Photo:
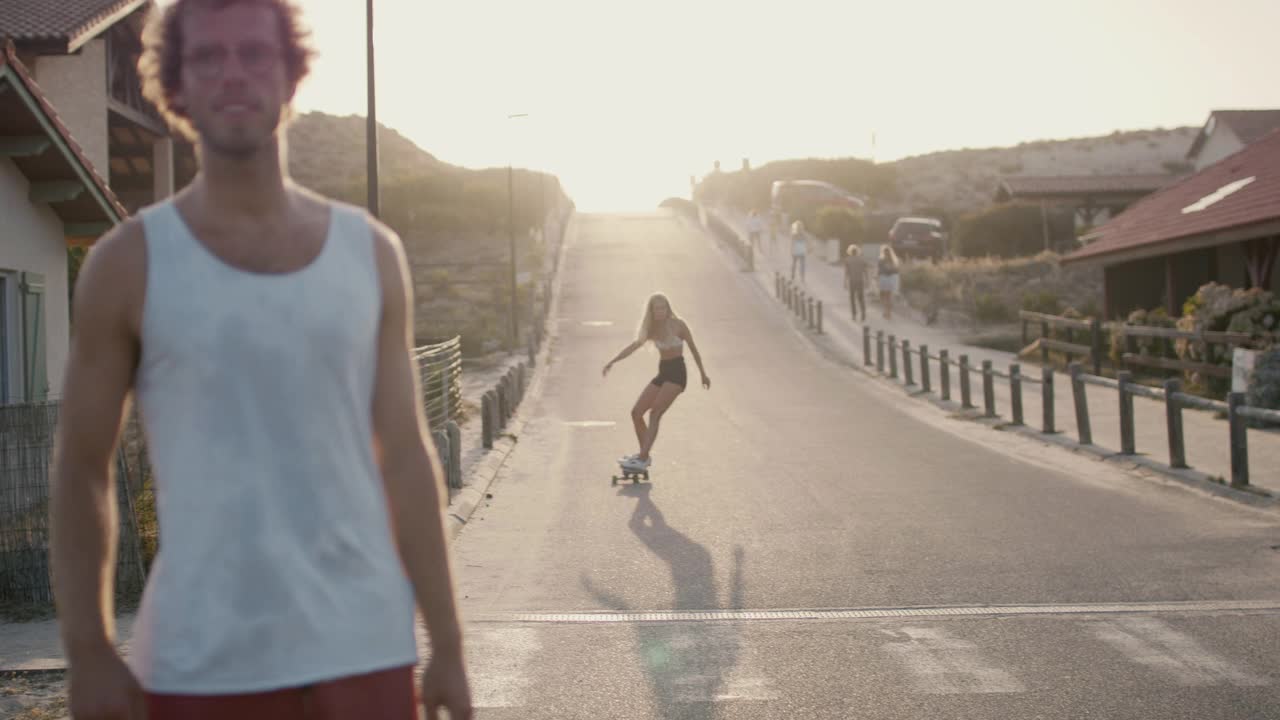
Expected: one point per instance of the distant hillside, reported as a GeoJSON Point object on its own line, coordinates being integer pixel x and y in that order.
{"type": "Point", "coordinates": [453, 220]}
{"type": "Point", "coordinates": [960, 181]}
{"type": "Point", "coordinates": [964, 180]}
{"type": "Point", "coordinates": [327, 153]}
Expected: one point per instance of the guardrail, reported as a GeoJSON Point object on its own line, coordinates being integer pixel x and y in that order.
{"type": "Point", "coordinates": [1237, 411]}
{"type": "Point", "coordinates": [729, 237]}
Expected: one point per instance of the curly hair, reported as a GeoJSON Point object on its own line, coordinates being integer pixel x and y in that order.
{"type": "Point", "coordinates": [160, 64]}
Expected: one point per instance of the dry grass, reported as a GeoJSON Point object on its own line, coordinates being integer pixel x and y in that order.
{"type": "Point", "coordinates": [33, 697]}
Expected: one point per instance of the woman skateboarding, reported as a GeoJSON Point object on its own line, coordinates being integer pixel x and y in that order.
{"type": "Point", "coordinates": [668, 333]}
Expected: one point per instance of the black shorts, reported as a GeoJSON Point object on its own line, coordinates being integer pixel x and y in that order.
{"type": "Point", "coordinates": [672, 371]}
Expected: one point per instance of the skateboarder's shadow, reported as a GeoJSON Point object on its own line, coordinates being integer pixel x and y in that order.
{"type": "Point", "coordinates": [687, 662]}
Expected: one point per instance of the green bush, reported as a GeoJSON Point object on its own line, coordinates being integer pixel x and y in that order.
{"type": "Point", "coordinates": [988, 308]}
{"type": "Point", "coordinates": [1214, 308]}
{"type": "Point", "coordinates": [1151, 347]}
{"type": "Point", "coordinates": [1012, 230]}
{"type": "Point", "coordinates": [841, 223]}
{"type": "Point", "coordinates": [1042, 302]}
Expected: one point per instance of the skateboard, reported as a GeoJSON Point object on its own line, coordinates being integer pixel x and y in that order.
{"type": "Point", "coordinates": [633, 475]}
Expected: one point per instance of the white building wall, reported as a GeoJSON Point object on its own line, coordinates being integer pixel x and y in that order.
{"type": "Point", "coordinates": [32, 240]}
{"type": "Point", "coordinates": [1221, 143]}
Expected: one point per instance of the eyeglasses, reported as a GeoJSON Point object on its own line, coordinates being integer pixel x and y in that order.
{"type": "Point", "coordinates": [255, 58]}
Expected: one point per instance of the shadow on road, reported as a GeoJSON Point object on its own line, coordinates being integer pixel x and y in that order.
{"type": "Point", "coordinates": [688, 663]}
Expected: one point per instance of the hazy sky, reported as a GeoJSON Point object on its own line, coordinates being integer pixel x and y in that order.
{"type": "Point", "coordinates": [627, 99]}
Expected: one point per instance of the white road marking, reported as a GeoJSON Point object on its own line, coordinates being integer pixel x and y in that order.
{"type": "Point", "coordinates": [1150, 642]}
{"type": "Point", "coordinates": [590, 423]}
{"type": "Point", "coordinates": [945, 666]}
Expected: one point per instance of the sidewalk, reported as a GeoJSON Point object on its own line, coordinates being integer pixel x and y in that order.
{"type": "Point", "coordinates": [1207, 447]}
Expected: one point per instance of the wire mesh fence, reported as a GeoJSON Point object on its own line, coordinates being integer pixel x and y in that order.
{"type": "Point", "coordinates": [26, 456]}
{"type": "Point", "coordinates": [440, 373]}
{"type": "Point", "coordinates": [26, 459]}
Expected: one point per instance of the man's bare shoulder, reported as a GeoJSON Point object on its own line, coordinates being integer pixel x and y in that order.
{"type": "Point", "coordinates": [112, 281]}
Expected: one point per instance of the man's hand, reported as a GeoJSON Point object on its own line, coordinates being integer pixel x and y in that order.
{"type": "Point", "coordinates": [444, 685]}
{"type": "Point", "coordinates": [706, 381]}
{"type": "Point", "coordinates": [105, 689]}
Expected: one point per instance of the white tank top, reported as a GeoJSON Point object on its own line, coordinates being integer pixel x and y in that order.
{"type": "Point", "coordinates": [277, 565]}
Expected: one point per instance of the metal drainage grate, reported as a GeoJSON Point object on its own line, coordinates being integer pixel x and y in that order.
{"type": "Point", "coordinates": [872, 613]}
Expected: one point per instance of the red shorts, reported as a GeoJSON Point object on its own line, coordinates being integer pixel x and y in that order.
{"type": "Point", "coordinates": [382, 695]}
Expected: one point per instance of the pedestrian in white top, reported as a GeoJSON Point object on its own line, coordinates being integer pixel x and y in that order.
{"type": "Point", "coordinates": [266, 334]}
{"type": "Point", "coordinates": [799, 249]}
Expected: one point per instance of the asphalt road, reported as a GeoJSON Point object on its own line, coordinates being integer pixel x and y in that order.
{"type": "Point", "coordinates": [815, 545]}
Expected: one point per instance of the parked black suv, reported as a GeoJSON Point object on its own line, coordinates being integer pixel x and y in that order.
{"type": "Point", "coordinates": [918, 237]}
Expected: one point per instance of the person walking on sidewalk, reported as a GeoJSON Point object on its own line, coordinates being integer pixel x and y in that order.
{"type": "Point", "coordinates": [856, 271]}
{"type": "Point", "coordinates": [755, 225]}
{"type": "Point", "coordinates": [660, 325]}
{"type": "Point", "coordinates": [887, 273]}
{"type": "Point", "coordinates": [799, 249]}
{"type": "Point", "coordinates": [265, 333]}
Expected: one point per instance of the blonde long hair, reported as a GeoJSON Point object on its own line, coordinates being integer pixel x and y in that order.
{"type": "Point", "coordinates": [645, 332]}
{"type": "Point", "coordinates": [887, 253]}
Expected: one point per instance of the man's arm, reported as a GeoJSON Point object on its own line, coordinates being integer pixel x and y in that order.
{"type": "Point", "coordinates": [413, 476]}
{"type": "Point", "coordinates": [83, 524]}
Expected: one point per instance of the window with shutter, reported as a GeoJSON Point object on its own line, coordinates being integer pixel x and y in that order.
{"type": "Point", "coordinates": [35, 373]}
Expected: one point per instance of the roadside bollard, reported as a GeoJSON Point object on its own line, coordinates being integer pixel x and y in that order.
{"type": "Point", "coordinates": [880, 351]}
{"type": "Point", "coordinates": [988, 390]}
{"type": "Point", "coordinates": [965, 395]}
{"type": "Point", "coordinates": [809, 313]}
{"type": "Point", "coordinates": [1127, 444]}
{"type": "Point", "coordinates": [1173, 417]}
{"type": "Point", "coordinates": [819, 317]}
{"type": "Point", "coordinates": [443, 451]}
{"type": "Point", "coordinates": [925, 383]}
{"type": "Point", "coordinates": [1239, 440]}
{"type": "Point", "coordinates": [893, 357]}
{"type": "Point", "coordinates": [487, 411]}
{"type": "Point", "coordinates": [866, 345]}
{"type": "Point", "coordinates": [1047, 401]}
{"type": "Point", "coordinates": [944, 367]}
{"type": "Point", "coordinates": [454, 469]}
{"type": "Point", "coordinates": [906, 363]}
{"type": "Point", "coordinates": [503, 400]}
{"type": "Point", "coordinates": [1082, 403]}
{"type": "Point", "coordinates": [1015, 392]}
{"type": "Point", "coordinates": [777, 284]}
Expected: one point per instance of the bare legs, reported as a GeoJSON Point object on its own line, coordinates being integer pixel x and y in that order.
{"type": "Point", "coordinates": [655, 401]}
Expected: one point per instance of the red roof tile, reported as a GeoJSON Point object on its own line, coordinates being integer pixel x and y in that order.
{"type": "Point", "coordinates": [68, 23]}
{"type": "Point", "coordinates": [1239, 191]}
{"type": "Point", "coordinates": [9, 58]}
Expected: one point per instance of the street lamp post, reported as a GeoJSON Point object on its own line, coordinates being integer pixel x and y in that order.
{"type": "Point", "coordinates": [371, 128]}
{"type": "Point", "coordinates": [511, 238]}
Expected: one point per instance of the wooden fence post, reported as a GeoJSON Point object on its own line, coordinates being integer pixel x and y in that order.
{"type": "Point", "coordinates": [1239, 440]}
{"type": "Point", "coordinates": [1050, 416]}
{"type": "Point", "coordinates": [1127, 444]}
{"type": "Point", "coordinates": [866, 345]}
{"type": "Point", "coordinates": [1015, 392]}
{"type": "Point", "coordinates": [1082, 403]}
{"type": "Point", "coordinates": [1044, 335]}
{"type": "Point", "coordinates": [1095, 342]}
{"type": "Point", "coordinates": [819, 317]}
{"type": "Point", "coordinates": [880, 351]}
{"type": "Point", "coordinates": [965, 395]}
{"type": "Point", "coordinates": [1173, 417]}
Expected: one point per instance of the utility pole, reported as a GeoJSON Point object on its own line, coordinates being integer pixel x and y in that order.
{"type": "Point", "coordinates": [371, 129]}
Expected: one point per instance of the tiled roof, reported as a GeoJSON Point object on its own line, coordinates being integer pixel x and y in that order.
{"type": "Point", "coordinates": [1016, 185]}
{"type": "Point", "coordinates": [1237, 192]}
{"type": "Point", "coordinates": [65, 24]}
{"type": "Point", "coordinates": [9, 59]}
